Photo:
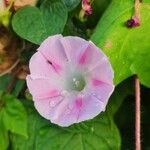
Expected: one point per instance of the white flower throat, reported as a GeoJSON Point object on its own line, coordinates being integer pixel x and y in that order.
{"type": "Point", "coordinates": [76, 82]}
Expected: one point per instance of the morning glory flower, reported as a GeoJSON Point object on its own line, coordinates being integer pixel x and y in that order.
{"type": "Point", "coordinates": [70, 80]}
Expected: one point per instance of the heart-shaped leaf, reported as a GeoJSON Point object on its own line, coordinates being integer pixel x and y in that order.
{"type": "Point", "coordinates": [13, 115]}
{"type": "Point", "coordinates": [36, 24]}
{"type": "Point", "coordinates": [99, 133]}
{"type": "Point", "coordinates": [128, 49]}
{"type": "Point", "coordinates": [71, 4]}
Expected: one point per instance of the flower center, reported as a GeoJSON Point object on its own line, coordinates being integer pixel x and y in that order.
{"type": "Point", "coordinates": [77, 83]}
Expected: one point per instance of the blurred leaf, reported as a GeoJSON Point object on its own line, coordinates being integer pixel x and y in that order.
{"type": "Point", "coordinates": [4, 81]}
{"type": "Point", "coordinates": [128, 49]}
{"type": "Point", "coordinates": [98, 8]}
{"type": "Point", "coordinates": [99, 133]}
{"type": "Point", "coordinates": [35, 25]}
{"type": "Point", "coordinates": [14, 115]}
{"type": "Point", "coordinates": [124, 89]}
{"type": "Point", "coordinates": [4, 140]}
{"type": "Point", "coordinates": [71, 4]}
{"type": "Point", "coordinates": [18, 87]}
{"type": "Point", "coordinates": [35, 122]}
{"type": "Point", "coordinates": [71, 30]}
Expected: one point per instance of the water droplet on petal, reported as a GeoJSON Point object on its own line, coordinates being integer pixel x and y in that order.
{"type": "Point", "coordinates": [93, 94]}
{"type": "Point", "coordinates": [74, 79]}
{"type": "Point", "coordinates": [52, 104]}
{"type": "Point", "coordinates": [64, 93]}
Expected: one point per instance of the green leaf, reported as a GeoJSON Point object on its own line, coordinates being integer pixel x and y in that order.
{"type": "Point", "coordinates": [121, 92]}
{"type": "Point", "coordinates": [18, 87]}
{"type": "Point", "coordinates": [71, 4]}
{"type": "Point", "coordinates": [89, 135]}
{"type": "Point", "coordinates": [99, 133]}
{"type": "Point", "coordinates": [4, 81]}
{"type": "Point", "coordinates": [128, 49]}
{"type": "Point", "coordinates": [98, 8]}
{"type": "Point", "coordinates": [13, 115]}
{"type": "Point", "coordinates": [4, 140]}
{"type": "Point", "coordinates": [36, 24]}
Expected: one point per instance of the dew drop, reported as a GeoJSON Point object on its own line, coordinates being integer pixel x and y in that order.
{"type": "Point", "coordinates": [93, 94]}
{"type": "Point", "coordinates": [52, 104]}
{"type": "Point", "coordinates": [64, 93]}
{"type": "Point", "coordinates": [77, 83]}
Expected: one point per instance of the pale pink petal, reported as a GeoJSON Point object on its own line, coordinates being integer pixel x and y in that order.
{"type": "Point", "coordinates": [102, 90]}
{"type": "Point", "coordinates": [43, 88]}
{"type": "Point", "coordinates": [102, 72]}
{"type": "Point", "coordinates": [40, 67]}
{"type": "Point", "coordinates": [53, 51]}
{"type": "Point", "coordinates": [46, 106]}
{"type": "Point", "coordinates": [68, 114]}
{"type": "Point", "coordinates": [81, 53]}
{"type": "Point", "coordinates": [89, 57]}
{"type": "Point", "coordinates": [91, 107]}
{"type": "Point", "coordinates": [73, 46]}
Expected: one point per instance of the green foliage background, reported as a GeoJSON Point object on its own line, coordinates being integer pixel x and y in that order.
{"type": "Point", "coordinates": [22, 128]}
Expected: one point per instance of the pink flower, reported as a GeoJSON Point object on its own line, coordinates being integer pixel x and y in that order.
{"type": "Point", "coordinates": [71, 80]}
{"type": "Point", "coordinates": [86, 6]}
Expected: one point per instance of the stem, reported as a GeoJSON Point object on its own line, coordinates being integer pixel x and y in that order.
{"type": "Point", "coordinates": [11, 85]}
{"type": "Point", "coordinates": [137, 9]}
{"type": "Point", "coordinates": [137, 115]}
{"type": "Point", "coordinates": [10, 69]}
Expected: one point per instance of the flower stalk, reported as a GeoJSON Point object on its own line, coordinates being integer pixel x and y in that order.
{"type": "Point", "coordinates": [137, 115]}
{"type": "Point", "coordinates": [135, 19]}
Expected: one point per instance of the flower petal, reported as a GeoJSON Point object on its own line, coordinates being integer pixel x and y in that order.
{"type": "Point", "coordinates": [91, 107]}
{"type": "Point", "coordinates": [73, 46]}
{"type": "Point", "coordinates": [53, 51]}
{"type": "Point", "coordinates": [102, 91]}
{"type": "Point", "coordinates": [89, 57]}
{"type": "Point", "coordinates": [66, 112]}
{"type": "Point", "coordinates": [81, 53]}
{"type": "Point", "coordinates": [46, 106]}
{"type": "Point", "coordinates": [102, 72]}
{"type": "Point", "coordinates": [43, 88]}
{"type": "Point", "coordinates": [40, 67]}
